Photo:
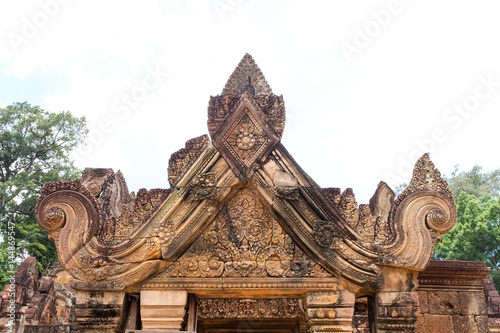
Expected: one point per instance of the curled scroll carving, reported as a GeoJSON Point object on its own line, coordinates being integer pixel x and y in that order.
{"type": "Point", "coordinates": [54, 219]}
{"type": "Point", "coordinates": [82, 216]}
{"type": "Point", "coordinates": [71, 214]}
{"type": "Point", "coordinates": [423, 212]}
{"type": "Point", "coordinates": [399, 232]}
{"type": "Point", "coordinates": [437, 220]}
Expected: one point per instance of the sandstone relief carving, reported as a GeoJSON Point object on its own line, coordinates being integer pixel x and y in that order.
{"type": "Point", "coordinates": [239, 206]}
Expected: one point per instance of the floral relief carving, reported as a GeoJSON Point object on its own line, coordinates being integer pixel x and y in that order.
{"type": "Point", "coordinates": [228, 308]}
{"type": "Point", "coordinates": [245, 240]}
{"type": "Point", "coordinates": [326, 233]}
{"type": "Point", "coordinates": [222, 107]}
{"type": "Point", "coordinates": [246, 139]}
{"type": "Point", "coordinates": [246, 74]}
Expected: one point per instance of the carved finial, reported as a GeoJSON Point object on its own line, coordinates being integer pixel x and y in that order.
{"type": "Point", "coordinates": [246, 122]}
{"type": "Point", "coordinates": [247, 77]}
{"type": "Point", "coordinates": [423, 212]}
{"type": "Point", "coordinates": [348, 207]}
{"type": "Point", "coordinates": [426, 178]}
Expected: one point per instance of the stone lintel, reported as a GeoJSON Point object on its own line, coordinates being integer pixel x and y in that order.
{"type": "Point", "coordinates": [453, 275]}
{"type": "Point", "coordinates": [290, 287]}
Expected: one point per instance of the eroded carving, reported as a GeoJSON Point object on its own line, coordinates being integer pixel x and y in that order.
{"type": "Point", "coordinates": [181, 160]}
{"type": "Point", "coordinates": [396, 311]}
{"type": "Point", "coordinates": [348, 207]}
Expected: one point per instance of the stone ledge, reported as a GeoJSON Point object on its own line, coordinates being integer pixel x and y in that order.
{"type": "Point", "coordinates": [453, 275]}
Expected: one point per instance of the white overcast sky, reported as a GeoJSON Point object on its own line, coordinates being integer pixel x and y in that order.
{"type": "Point", "coordinates": [368, 85]}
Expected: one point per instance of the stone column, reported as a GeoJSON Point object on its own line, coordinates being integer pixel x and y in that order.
{"type": "Point", "coordinates": [328, 311]}
{"type": "Point", "coordinates": [99, 311]}
{"type": "Point", "coordinates": [396, 311]}
{"type": "Point", "coordinates": [163, 309]}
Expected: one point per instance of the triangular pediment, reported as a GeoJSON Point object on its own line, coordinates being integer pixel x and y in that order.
{"type": "Point", "coordinates": [245, 240]}
{"type": "Point", "coordinates": [277, 225]}
{"type": "Point", "coordinates": [246, 158]}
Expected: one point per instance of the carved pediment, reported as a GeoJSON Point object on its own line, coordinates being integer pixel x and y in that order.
{"type": "Point", "coordinates": [244, 240]}
{"type": "Point", "coordinates": [241, 208]}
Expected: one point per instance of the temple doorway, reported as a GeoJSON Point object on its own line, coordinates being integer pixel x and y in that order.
{"type": "Point", "coordinates": [249, 326]}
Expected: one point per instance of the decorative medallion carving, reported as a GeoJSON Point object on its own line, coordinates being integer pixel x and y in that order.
{"type": "Point", "coordinates": [326, 233]}
{"type": "Point", "coordinates": [245, 138]}
{"type": "Point", "coordinates": [244, 141]}
{"type": "Point", "coordinates": [54, 218]}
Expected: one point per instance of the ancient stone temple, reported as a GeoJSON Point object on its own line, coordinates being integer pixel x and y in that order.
{"type": "Point", "coordinates": [245, 241]}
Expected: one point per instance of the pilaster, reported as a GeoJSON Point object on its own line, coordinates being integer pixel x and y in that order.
{"type": "Point", "coordinates": [163, 309]}
{"type": "Point", "coordinates": [99, 311]}
{"type": "Point", "coordinates": [396, 311]}
{"type": "Point", "coordinates": [329, 312]}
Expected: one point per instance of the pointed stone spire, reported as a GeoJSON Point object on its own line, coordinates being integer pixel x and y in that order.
{"type": "Point", "coordinates": [247, 77]}
{"type": "Point", "coordinates": [246, 121]}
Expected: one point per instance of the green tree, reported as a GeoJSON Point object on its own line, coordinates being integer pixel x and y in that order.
{"type": "Point", "coordinates": [35, 146]}
{"type": "Point", "coordinates": [476, 235]}
{"type": "Point", "coordinates": [475, 182]}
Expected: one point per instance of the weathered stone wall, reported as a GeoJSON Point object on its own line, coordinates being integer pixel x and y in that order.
{"type": "Point", "coordinates": [451, 297]}
{"type": "Point", "coordinates": [492, 305]}
{"type": "Point", "coordinates": [41, 305]}
{"type": "Point", "coordinates": [454, 296]}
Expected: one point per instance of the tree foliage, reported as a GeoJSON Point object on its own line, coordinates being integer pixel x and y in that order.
{"type": "Point", "coordinates": [35, 146]}
{"type": "Point", "coordinates": [475, 182]}
{"type": "Point", "coordinates": [476, 235]}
